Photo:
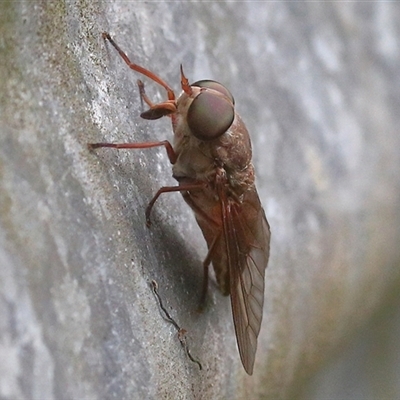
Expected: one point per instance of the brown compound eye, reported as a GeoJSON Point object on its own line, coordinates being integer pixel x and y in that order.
{"type": "Point", "coordinates": [207, 83]}
{"type": "Point", "coordinates": [210, 115]}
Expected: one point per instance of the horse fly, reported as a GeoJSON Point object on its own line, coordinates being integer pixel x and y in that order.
{"type": "Point", "coordinates": [211, 160]}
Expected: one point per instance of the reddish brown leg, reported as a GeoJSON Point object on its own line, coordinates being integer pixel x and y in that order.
{"type": "Point", "coordinates": [156, 111]}
{"type": "Point", "coordinates": [207, 260]}
{"type": "Point", "coordinates": [204, 289]}
{"type": "Point", "coordinates": [206, 264]}
{"type": "Point", "coordinates": [167, 189]}
{"type": "Point", "coordinates": [138, 68]}
{"type": "Point", "coordinates": [145, 145]}
{"type": "Point", "coordinates": [143, 94]}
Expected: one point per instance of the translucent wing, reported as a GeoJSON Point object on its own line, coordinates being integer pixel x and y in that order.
{"type": "Point", "coordinates": [238, 236]}
{"type": "Point", "coordinates": [247, 236]}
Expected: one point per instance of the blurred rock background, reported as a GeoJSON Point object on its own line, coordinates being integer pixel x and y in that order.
{"type": "Point", "coordinates": [318, 87]}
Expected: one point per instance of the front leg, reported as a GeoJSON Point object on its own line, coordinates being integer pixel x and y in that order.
{"type": "Point", "coordinates": [172, 156]}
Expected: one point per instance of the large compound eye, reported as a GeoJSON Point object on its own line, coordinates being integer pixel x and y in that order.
{"type": "Point", "coordinates": [209, 116]}
{"type": "Point", "coordinates": [216, 86]}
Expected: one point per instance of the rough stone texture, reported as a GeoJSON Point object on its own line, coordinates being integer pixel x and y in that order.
{"type": "Point", "coordinates": [318, 86]}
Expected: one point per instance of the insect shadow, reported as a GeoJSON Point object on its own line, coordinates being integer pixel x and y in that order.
{"type": "Point", "coordinates": [179, 269]}
{"type": "Point", "coordinates": [175, 265]}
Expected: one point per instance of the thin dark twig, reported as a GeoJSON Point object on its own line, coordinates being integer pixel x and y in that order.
{"type": "Point", "coordinates": [182, 338]}
{"type": "Point", "coordinates": [166, 315]}
{"type": "Point", "coordinates": [181, 332]}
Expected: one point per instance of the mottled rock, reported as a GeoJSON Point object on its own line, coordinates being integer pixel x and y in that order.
{"type": "Point", "coordinates": [318, 87]}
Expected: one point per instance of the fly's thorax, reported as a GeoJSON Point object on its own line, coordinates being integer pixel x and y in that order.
{"type": "Point", "coordinates": [241, 181]}
{"type": "Point", "coordinates": [233, 149]}
{"type": "Point", "coordinates": [233, 152]}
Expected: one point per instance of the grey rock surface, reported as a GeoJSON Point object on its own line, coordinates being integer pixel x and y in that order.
{"type": "Point", "coordinates": [318, 86]}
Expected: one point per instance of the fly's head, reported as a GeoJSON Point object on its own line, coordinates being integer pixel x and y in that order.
{"type": "Point", "coordinates": [204, 110]}
{"type": "Point", "coordinates": [206, 107]}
